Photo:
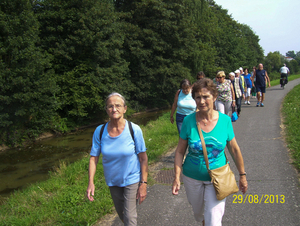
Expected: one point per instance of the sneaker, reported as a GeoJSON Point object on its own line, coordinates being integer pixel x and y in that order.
{"type": "Point", "coordinates": [262, 105]}
{"type": "Point", "coordinates": [245, 102]}
{"type": "Point", "coordinates": [257, 105]}
{"type": "Point", "coordinates": [248, 103]}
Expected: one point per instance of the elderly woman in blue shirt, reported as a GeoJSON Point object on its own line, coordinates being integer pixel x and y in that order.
{"type": "Point", "coordinates": [125, 161]}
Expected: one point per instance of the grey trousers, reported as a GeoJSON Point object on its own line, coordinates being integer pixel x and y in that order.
{"type": "Point", "coordinates": [125, 202]}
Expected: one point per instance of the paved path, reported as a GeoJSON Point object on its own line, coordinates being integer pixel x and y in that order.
{"type": "Point", "coordinates": [269, 172]}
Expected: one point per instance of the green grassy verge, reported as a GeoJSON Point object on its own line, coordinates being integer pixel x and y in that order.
{"type": "Point", "coordinates": [291, 77]}
{"type": "Point", "coordinates": [290, 111]}
{"type": "Point", "coordinates": [61, 199]}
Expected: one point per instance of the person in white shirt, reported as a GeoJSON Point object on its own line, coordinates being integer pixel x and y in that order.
{"type": "Point", "coordinates": [284, 72]}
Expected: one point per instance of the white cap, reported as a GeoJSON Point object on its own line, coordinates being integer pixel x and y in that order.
{"type": "Point", "coordinates": [240, 68]}
{"type": "Point", "coordinates": [231, 73]}
{"type": "Point", "coordinates": [237, 71]}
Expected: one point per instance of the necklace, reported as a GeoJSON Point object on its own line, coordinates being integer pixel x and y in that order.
{"type": "Point", "coordinates": [205, 123]}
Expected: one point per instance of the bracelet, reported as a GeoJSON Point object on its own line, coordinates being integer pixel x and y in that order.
{"type": "Point", "coordinates": [143, 182]}
{"type": "Point", "coordinates": [243, 174]}
{"type": "Point", "coordinates": [233, 100]}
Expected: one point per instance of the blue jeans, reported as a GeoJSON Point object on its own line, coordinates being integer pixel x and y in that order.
{"type": "Point", "coordinates": [179, 120]}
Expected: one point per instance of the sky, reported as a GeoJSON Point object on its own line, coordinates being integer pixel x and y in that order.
{"type": "Point", "coordinates": [276, 22]}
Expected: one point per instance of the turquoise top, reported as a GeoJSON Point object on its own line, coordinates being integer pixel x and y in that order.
{"type": "Point", "coordinates": [216, 140]}
{"type": "Point", "coordinates": [186, 104]}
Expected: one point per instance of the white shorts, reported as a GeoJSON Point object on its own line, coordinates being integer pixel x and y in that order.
{"type": "Point", "coordinates": [202, 196]}
{"type": "Point", "coordinates": [247, 94]}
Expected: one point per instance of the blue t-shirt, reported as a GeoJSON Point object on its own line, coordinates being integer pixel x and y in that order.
{"type": "Point", "coordinates": [216, 141]}
{"type": "Point", "coordinates": [120, 155]}
{"type": "Point", "coordinates": [185, 104]}
{"type": "Point", "coordinates": [248, 80]}
{"type": "Point", "coordinates": [260, 78]}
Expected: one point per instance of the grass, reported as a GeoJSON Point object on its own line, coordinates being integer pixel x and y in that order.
{"type": "Point", "coordinates": [61, 199]}
{"type": "Point", "coordinates": [290, 112]}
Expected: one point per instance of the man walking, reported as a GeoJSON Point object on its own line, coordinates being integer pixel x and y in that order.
{"type": "Point", "coordinates": [238, 89]}
{"type": "Point", "coordinates": [284, 72]}
{"type": "Point", "coordinates": [260, 75]}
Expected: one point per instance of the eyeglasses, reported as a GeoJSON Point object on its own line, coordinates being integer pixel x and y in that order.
{"type": "Point", "coordinates": [117, 106]}
{"type": "Point", "coordinates": [219, 77]}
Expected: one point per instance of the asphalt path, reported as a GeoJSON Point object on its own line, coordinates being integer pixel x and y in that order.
{"type": "Point", "coordinates": [273, 197]}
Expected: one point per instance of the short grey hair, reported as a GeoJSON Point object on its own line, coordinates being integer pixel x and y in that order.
{"type": "Point", "coordinates": [115, 94]}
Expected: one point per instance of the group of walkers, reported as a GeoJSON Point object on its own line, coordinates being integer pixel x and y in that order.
{"type": "Point", "coordinates": [203, 105]}
{"type": "Point", "coordinates": [240, 86]}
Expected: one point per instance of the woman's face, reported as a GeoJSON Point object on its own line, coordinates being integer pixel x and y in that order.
{"type": "Point", "coordinates": [246, 72]}
{"type": "Point", "coordinates": [220, 78]}
{"type": "Point", "coordinates": [204, 100]}
{"type": "Point", "coordinates": [186, 89]}
{"type": "Point", "coordinates": [115, 107]}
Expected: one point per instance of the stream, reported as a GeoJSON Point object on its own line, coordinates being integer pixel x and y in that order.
{"type": "Point", "coordinates": [20, 167]}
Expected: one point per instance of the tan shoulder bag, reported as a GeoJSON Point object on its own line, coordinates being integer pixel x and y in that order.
{"type": "Point", "coordinates": [222, 178]}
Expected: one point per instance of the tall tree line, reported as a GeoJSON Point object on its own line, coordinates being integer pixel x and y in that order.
{"type": "Point", "coordinates": [59, 59]}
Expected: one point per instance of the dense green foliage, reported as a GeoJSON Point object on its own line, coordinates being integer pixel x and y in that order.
{"type": "Point", "coordinates": [60, 59]}
{"type": "Point", "coordinates": [61, 199]}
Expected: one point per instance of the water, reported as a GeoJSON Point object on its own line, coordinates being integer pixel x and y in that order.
{"type": "Point", "coordinates": [20, 167]}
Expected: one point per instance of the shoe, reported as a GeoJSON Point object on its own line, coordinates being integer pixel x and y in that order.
{"type": "Point", "coordinates": [262, 105]}
{"type": "Point", "coordinates": [248, 103]}
{"type": "Point", "coordinates": [257, 105]}
{"type": "Point", "coordinates": [245, 102]}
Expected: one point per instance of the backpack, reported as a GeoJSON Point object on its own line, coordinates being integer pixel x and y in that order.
{"type": "Point", "coordinates": [130, 129]}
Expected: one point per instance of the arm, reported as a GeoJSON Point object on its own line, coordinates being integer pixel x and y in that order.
{"type": "Point", "coordinates": [174, 106]}
{"type": "Point", "coordinates": [233, 95]}
{"type": "Point", "coordinates": [179, 153]}
{"type": "Point", "coordinates": [92, 170]}
{"type": "Point", "coordinates": [268, 79]}
{"type": "Point", "coordinates": [237, 157]}
{"type": "Point", "coordinates": [142, 191]}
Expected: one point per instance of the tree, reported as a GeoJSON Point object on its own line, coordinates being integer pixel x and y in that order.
{"type": "Point", "coordinates": [159, 44]}
{"type": "Point", "coordinates": [28, 88]}
{"type": "Point", "coordinates": [84, 38]}
{"type": "Point", "coordinates": [291, 54]}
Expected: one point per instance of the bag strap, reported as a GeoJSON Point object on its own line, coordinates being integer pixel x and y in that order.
{"type": "Point", "coordinates": [204, 146]}
{"type": "Point", "coordinates": [102, 129]}
{"type": "Point", "coordinates": [130, 129]}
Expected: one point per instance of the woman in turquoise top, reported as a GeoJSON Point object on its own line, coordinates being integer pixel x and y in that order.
{"type": "Point", "coordinates": [183, 102]}
{"type": "Point", "coordinates": [218, 133]}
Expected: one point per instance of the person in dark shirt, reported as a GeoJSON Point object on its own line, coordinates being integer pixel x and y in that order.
{"type": "Point", "coordinates": [261, 75]}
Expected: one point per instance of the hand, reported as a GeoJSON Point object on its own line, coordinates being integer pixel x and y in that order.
{"type": "Point", "coordinates": [269, 84]}
{"type": "Point", "coordinates": [172, 120]}
{"type": "Point", "coordinates": [233, 104]}
{"type": "Point", "coordinates": [243, 184]}
{"type": "Point", "coordinates": [176, 186]}
{"type": "Point", "coordinates": [142, 192]}
{"type": "Point", "coordinates": [90, 189]}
